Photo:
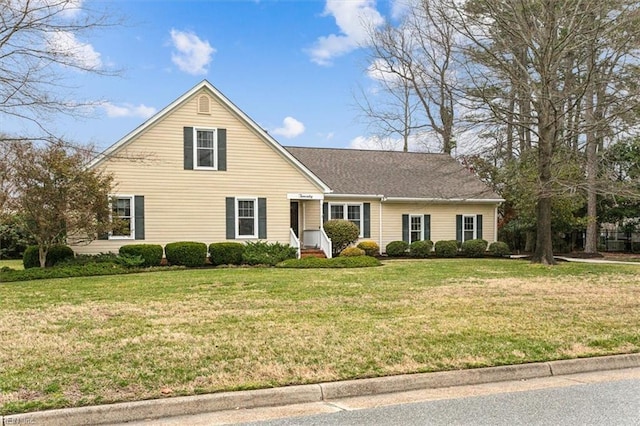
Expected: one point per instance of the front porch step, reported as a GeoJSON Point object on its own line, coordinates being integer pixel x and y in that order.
{"type": "Point", "coordinates": [305, 252]}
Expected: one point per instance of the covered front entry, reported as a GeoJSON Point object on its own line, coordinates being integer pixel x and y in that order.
{"type": "Point", "coordinates": [306, 222]}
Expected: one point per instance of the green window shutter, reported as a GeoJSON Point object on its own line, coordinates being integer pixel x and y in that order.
{"type": "Point", "coordinates": [231, 218]}
{"type": "Point", "coordinates": [479, 226]}
{"type": "Point", "coordinates": [188, 148]}
{"type": "Point", "coordinates": [459, 227]}
{"type": "Point", "coordinates": [138, 203]}
{"type": "Point", "coordinates": [222, 149]}
{"type": "Point", "coordinates": [262, 218]}
{"type": "Point", "coordinates": [325, 212]}
{"type": "Point", "coordinates": [405, 227]}
{"type": "Point", "coordinates": [366, 220]}
{"type": "Point", "coordinates": [427, 226]}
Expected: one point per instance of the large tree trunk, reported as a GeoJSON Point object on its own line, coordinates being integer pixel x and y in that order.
{"type": "Point", "coordinates": [544, 247]}
{"type": "Point", "coordinates": [42, 256]}
{"type": "Point", "coordinates": [591, 240]}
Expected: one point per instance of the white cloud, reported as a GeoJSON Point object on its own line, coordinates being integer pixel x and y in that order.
{"type": "Point", "coordinates": [192, 55]}
{"type": "Point", "coordinates": [70, 8]}
{"type": "Point", "coordinates": [75, 52]}
{"type": "Point", "coordinates": [376, 143]}
{"type": "Point", "coordinates": [290, 128]}
{"type": "Point", "coordinates": [128, 110]}
{"type": "Point", "coordinates": [424, 141]}
{"type": "Point", "coordinates": [354, 18]}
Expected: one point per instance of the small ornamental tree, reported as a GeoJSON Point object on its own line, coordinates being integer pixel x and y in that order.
{"type": "Point", "coordinates": [57, 198]}
{"type": "Point", "coordinates": [342, 234]}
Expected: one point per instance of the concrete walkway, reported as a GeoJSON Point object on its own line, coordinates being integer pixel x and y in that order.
{"type": "Point", "coordinates": [578, 260]}
{"type": "Point", "coordinates": [322, 393]}
{"type": "Point", "coordinates": [575, 259]}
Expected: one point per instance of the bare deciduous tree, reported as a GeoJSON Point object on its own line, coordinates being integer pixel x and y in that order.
{"type": "Point", "coordinates": [40, 41]}
{"type": "Point", "coordinates": [413, 62]}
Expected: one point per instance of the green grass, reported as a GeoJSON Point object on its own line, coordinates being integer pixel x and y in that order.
{"type": "Point", "coordinates": [79, 341]}
{"type": "Point", "coordinates": [13, 264]}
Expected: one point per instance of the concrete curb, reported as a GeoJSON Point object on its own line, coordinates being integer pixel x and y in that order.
{"type": "Point", "coordinates": [199, 404]}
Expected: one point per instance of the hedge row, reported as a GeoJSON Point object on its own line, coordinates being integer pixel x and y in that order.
{"type": "Point", "coordinates": [183, 253]}
{"type": "Point", "coordinates": [447, 248]}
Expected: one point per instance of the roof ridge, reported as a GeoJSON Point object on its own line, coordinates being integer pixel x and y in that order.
{"type": "Point", "coordinates": [365, 150]}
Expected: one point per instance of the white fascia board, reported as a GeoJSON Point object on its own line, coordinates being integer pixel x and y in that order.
{"type": "Point", "coordinates": [443, 200]}
{"type": "Point", "coordinates": [205, 84]}
{"type": "Point", "coordinates": [367, 196]}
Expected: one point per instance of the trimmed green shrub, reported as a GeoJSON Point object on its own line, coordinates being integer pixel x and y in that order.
{"type": "Point", "coordinates": [31, 257]}
{"type": "Point", "coordinates": [186, 253]}
{"type": "Point", "coordinates": [352, 252]}
{"type": "Point", "coordinates": [474, 248]}
{"type": "Point", "coordinates": [263, 253]}
{"type": "Point", "coordinates": [342, 234]}
{"type": "Point", "coordinates": [57, 253]}
{"type": "Point", "coordinates": [151, 253]}
{"type": "Point", "coordinates": [336, 262]}
{"type": "Point", "coordinates": [226, 253]}
{"type": "Point", "coordinates": [397, 248]}
{"type": "Point", "coordinates": [371, 248]}
{"type": "Point", "coordinates": [499, 249]}
{"type": "Point", "coordinates": [420, 249]}
{"type": "Point", "coordinates": [446, 248]}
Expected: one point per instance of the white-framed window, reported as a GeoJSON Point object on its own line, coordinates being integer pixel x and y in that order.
{"type": "Point", "coordinates": [205, 149]}
{"type": "Point", "coordinates": [416, 227]}
{"type": "Point", "coordinates": [246, 218]}
{"type": "Point", "coordinates": [347, 211]}
{"type": "Point", "coordinates": [469, 227]}
{"type": "Point", "coordinates": [122, 215]}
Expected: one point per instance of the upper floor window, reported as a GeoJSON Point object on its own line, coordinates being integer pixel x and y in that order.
{"type": "Point", "coordinates": [205, 149]}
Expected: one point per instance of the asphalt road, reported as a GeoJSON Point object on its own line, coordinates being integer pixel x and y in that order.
{"type": "Point", "coordinates": [597, 398]}
{"type": "Point", "coordinates": [612, 403]}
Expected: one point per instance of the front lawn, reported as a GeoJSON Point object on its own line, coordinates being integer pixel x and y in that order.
{"type": "Point", "coordinates": [13, 264]}
{"type": "Point", "coordinates": [80, 341]}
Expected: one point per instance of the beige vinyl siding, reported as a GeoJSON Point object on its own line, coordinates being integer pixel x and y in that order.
{"type": "Point", "coordinates": [443, 219]}
{"type": "Point", "coordinates": [310, 212]}
{"type": "Point", "coordinates": [189, 205]}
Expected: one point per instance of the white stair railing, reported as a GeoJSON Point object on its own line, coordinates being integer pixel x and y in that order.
{"type": "Point", "coordinates": [325, 244]}
{"type": "Point", "coordinates": [294, 242]}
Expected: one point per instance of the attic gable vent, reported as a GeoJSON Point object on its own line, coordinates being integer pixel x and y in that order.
{"type": "Point", "coordinates": [204, 105]}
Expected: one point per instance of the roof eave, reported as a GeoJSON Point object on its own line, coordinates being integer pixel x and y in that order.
{"type": "Point", "coordinates": [368, 196]}
{"type": "Point", "coordinates": [443, 200]}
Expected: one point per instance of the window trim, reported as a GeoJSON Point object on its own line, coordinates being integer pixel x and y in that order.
{"type": "Point", "coordinates": [475, 226]}
{"type": "Point", "coordinates": [214, 148]}
{"type": "Point", "coordinates": [345, 214]}
{"type": "Point", "coordinates": [132, 208]}
{"type": "Point", "coordinates": [421, 217]}
{"type": "Point", "coordinates": [256, 231]}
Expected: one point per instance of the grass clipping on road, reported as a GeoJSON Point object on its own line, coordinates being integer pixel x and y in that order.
{"type": "Point", "coordinates": [80, 341]}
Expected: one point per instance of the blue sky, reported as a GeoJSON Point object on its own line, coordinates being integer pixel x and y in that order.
{"type": "Point", "coordinates": [293, 66]}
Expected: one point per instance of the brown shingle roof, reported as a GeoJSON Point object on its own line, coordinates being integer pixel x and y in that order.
{"type": "Point", "coordinates": [392, 173]}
